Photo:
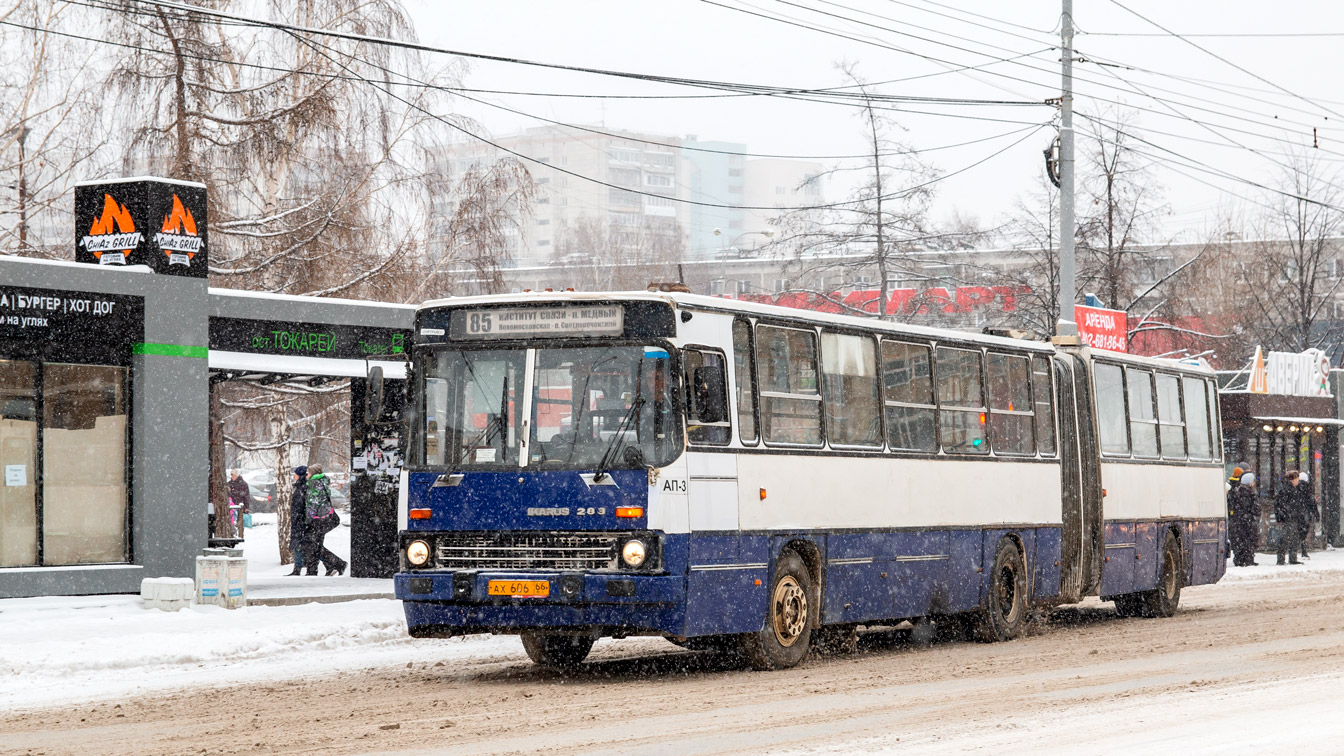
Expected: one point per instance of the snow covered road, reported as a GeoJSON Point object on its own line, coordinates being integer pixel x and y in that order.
{"type": "Point", "coordinates": [1252, 665]}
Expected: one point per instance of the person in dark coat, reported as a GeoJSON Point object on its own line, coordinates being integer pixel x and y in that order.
{"type": "Point", "coordinates": [240, 502]}
{"type": "Point", "coordinates": [1288, 511]}
{"type": "Point", "coordinates": [298, 517]}
{"type": "Point", "coordinates": [1243, 520]}
{"type": "Point", "coordinates": [1309, 513]}
{"type": "Point", "coordinates": [321, 519]}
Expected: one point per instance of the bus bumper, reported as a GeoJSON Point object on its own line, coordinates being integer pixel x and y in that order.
{"type": "Point", "coordinates": [456, 603]}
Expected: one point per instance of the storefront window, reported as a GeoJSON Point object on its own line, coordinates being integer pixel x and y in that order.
{"type": "Point", "coordinates": [18, 458]}
{"type": "Point", "coordinates": [83, 464]}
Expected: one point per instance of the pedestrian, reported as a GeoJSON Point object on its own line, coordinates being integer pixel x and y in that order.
{"type": "Point", "coordinates": [1307, 523]}
{"type": "Point", "coordinates": [321, 519]}
{"type": "Point", "coordinates": [240, 501]}
{"type": "Point", "coordinates": [1287, 511]}
{"type": "Point", "coordinates": [298, 517]}
{"type": "Point", "coordinates": [1243, 520]}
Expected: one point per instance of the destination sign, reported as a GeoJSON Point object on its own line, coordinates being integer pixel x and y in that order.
{"type": "Point", "coordinates": [546, 322]}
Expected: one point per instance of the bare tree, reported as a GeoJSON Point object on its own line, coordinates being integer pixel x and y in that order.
{"type": "Point", "coordinates": [1292, 276]}
{"type": "Point", "coordinates": [1034, 230]}
{"type": "Point", "coordinates": [1124, 204]}
{"type": "Point", "coordinates": [48, 126]}
{"type": "Point", "coordinates": [885, 217]}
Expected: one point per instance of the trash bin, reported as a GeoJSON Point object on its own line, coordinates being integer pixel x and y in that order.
{"type": "Point", "coordinates": [221, 578]}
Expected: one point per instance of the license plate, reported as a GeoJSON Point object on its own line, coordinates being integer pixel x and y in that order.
{"type": "Point", "coordinates": [520, 588]}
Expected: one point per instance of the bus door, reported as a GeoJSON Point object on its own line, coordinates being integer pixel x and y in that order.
{"type": "Point", "coordinates": [1080, 569]}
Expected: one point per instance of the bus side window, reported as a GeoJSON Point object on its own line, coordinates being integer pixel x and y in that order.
{"type": "Point", "coordinates": [1215, 422]}
{"type": "Point", "coordinates": [1043, 395]}
{"type": "Point", "coordinates": [1197, 418]}
{"type": "Point", "coordinates": [907, 383]}
{"type": "Point", "coordinates": [849, 368]}
{"type": "Point", "coordinates": [1111, 424]}
{"type": "Point", "coordinates": [786, 363]}
{"type": "Point", "coordinates": [698, 395]}
{"type": "Point", "coordinates": [1142, 421]}
{"type": "Point", "coordinates": [1170, 425]}
{"type": "Point", "coordinates": [961, 401]}
{"type": "Point", "coordinates": [745, 382]}
{"type": "Point", "coordinates": [1010, 410]}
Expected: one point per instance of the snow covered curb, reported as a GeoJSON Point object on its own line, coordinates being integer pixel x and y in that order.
{"type": "Point", "coordinates": [70, 649]}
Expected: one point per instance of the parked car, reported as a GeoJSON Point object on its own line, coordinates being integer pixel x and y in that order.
{"type": "Point", "coordinates": [261, 486]}
{"type": "Point", "coordinates": [340, 488]}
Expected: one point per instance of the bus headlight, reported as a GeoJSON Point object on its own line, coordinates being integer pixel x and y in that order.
{"type": "Point", "coordinates": [417, 553]}
{"type": "Point", "coordinates": [633, 552]}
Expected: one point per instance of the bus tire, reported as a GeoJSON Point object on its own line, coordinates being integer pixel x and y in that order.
{"type": "Point", "coordinates": [557, 650]}
{"type": "Point", "coordinates": [787, 635]}
{"type": "Point", "coordinates": [1004, 615]}
{"type": "Point", "coordinates": [1163, 600]}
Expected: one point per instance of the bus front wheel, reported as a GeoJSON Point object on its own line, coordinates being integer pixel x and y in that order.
{"type": "Point", "coordinates": [787, 634]}
{"type": "Point", "coordinates": [557, 650]}
{"type": "Point", "coordinates": [1004, 615]}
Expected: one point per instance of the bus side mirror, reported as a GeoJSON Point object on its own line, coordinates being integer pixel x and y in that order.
{"type": "Point", "coordinates": [373, 395]}
{"type": "Point", "coordinates": [711, 400]}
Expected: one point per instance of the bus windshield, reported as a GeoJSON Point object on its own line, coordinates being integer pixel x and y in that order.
{"type": "Point", "coordinates": [607, 407]}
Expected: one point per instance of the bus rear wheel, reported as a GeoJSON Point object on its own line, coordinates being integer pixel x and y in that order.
{"type": "Point", "coordinates": [787, 635]}
{"type": "Point", "coordinates": [557, 650]}
{"type": "Point", "coordinates": [1004, 615]}
{"type": "Point", "coordinates": [1163, 600]}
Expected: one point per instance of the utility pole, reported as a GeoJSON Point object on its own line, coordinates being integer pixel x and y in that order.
{"type": "Point", "coordinates": [1066, 325]}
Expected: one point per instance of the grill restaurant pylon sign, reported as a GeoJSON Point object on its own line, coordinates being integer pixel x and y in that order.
{"type": "Point", "coordinates": [156, 222]}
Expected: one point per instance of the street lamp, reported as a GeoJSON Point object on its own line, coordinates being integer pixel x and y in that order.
{"type": "Point", "coordinates": [723, 251]}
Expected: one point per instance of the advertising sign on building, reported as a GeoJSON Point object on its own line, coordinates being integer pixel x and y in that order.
{"type": "Point", "coordinates": [1291, 373]}
{"type": "Point", "coordinates": [1102, 329]}
{"type": "Point", "coordinates": [143, 221]}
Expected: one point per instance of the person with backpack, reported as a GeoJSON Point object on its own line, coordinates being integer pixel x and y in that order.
{"type": "Point", "coordinates": [321, 519]}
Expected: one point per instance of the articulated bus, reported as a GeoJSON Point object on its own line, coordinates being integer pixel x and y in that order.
{"type": "Point", "coordinates": [586, 465]}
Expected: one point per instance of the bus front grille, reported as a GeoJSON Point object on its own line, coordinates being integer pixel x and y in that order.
{"type": "Point", "coordinates": [526, 551]}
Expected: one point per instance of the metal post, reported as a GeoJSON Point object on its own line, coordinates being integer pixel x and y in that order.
{"type": "Point", "coordinates": [1066, 325]}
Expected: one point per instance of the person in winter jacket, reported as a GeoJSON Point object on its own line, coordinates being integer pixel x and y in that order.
{"type": "Point", "coordinates": [298, 518]}
{"type": "Point", "coordinates": [1309, 512]}
{"type": "Point", "coordinates": [240, 502]}
{"type": "Point", "coordinates": [1288, 510]}
{"type": "Point", "coordinates": [1243, 520]}
{"type": "Point", "coordinates": [321, 519]}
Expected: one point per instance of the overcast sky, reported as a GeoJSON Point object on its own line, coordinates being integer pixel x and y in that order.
{"type": "Point", "coordinates": [925, 39]}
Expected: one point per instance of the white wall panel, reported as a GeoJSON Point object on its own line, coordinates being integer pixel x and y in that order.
{"type": "Point", "coordinates": [1150, 492]}
{"type": "Point", "coordinates": [861, 492]}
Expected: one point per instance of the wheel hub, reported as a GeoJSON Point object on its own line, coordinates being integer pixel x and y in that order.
{"type": "Point", "coordinates": [1007, 590]}
{"type": "Point", "coordinates": [789, 611]}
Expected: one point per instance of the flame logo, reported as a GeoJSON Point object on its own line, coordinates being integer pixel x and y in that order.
{"type": "Point", "coordinates": [179, 219]}
{"type": "Point", "coordinates": [178, 239]}
{"type": "Point", "coordinates": [115, 222]}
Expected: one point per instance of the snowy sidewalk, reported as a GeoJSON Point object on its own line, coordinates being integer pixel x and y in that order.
{"type": "Point", "coordinates": [270, 584]}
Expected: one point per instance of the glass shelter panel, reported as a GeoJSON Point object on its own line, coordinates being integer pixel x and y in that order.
{"type": "Point", "coordinates": [18, 458]}
{"type": "Point", "coordinates": [83, 464]}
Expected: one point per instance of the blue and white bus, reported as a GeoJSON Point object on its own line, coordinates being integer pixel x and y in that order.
{"type": "Point", "coordinates": [585, 465]}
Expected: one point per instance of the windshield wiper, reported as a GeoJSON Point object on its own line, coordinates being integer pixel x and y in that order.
{"type": "Point", "coordinates": [607, 456]}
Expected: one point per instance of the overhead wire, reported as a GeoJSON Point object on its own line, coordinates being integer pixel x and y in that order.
{"type": "Point", "coordinates": [1216, 56]}
{"type": "Point", "coordinates": [561, 169]}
